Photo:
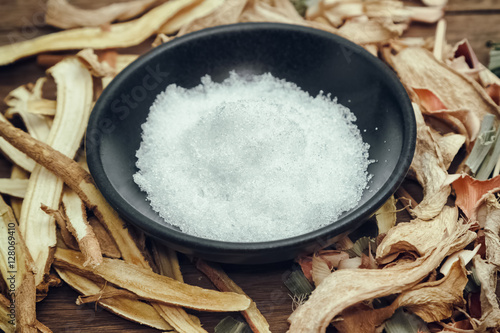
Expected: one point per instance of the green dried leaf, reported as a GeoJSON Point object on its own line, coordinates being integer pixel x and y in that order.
{"type": "Point", "coordinates": [298, 285]}
{"type": "Point", "coordinates": [231, 325]}
{"type": "Point", "coordinates": [361, 246]}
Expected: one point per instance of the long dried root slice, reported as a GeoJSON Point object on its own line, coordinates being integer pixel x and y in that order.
{"type": "Point", "coordinates": [17, 203]}
{"type": "Point", "coordinates": [13, 187]}
{"type": "Point", "coordinates": [168, 265]}
{"type": "Point", "coordinates": [80, 228]}
{"type": "Point", "coordinates": [63, 15]}
{"type": "Point", "coordinates": [74, 91]}
{"type": "Point", "coordinates": [14, 155]}
{"type": "Point", "coordinates": [129, 308]}
{"type": "Point", "coordinates": [219, 278]}
{"type": "Point", "coordinates": [17, 268]}
{"type": "Point", "coordinates": [148, 285]}
{"type": "Point", "coordinates": [118, 35]}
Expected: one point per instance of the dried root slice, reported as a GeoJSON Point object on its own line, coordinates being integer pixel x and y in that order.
{"type": "Point", "coordinates": [106, 242]}
{"type": "Point", "coordinates": [219, 278]}
{"type": "Point", "coordinates": [26, 101]}
{"type": "Point", "coordinates": [97, 68]}
{"type": "Point", "coordinates": [420, 237]}
{"type": "Point", "coordinates": [14, 155]}
{"type": "Point", "coordinates": [166, 261]}
{"type": "Point", "coordinates": [17, 268]}
{"type": "Point", "coordinates": [189, 14]}
{"type": "Point", "coordinates": [126, 307]}
{"type": "Point", "coordinates": [16, 203]}
{"type": "Point", "coordinates": [61, 220]}
{"type": "Point", "coordinates": [13, 187]}
{"type": "Point", "coordinates": [418, 68]}
{"type": "Point", "coordinates": [80, 228]}
{"type": "Point", "coordinates": [63, 15]}
{"type": "Point", "coordinates": [117, 35]}
{"type": "Point", "coordinates": [353, 286]}
{"type": "Point", "coordinates": [74, 91]}
{"type": "Point", "coordinates": [361, 32]}
{"type": "Point", "coordinates": [148, 285]}
{"type": "Point", "coordinates": [486, 273]}
{"type": "Point", "coordinates": [489, 219]}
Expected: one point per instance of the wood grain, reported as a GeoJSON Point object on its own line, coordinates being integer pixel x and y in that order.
{"type": "Point", "coordinates": [21, 19]}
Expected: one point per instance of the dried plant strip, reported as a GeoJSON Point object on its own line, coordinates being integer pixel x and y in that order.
{"type": "Point", "coordinates": [219, 278]}
{"type": "Point", "coordinates": [17, 268]}
{"type": "Point", "coordinates": [96, 67]}
{"type": "Point", "coordinates": [351, 286]}
{"type": "Point", "coordinates": [61, 220]}
{"type": "Point", "coordinates": [81, 182]}
{"type": "Point", "coordinates": [80, 228]}
{"type": "Point", "coordinates": [187, 15]}
{"type": "Point", "coordinates": [125, 307]}
{"type": "Point", "coordinates": [13, 187]}
{"type": "Point", "coordinates": [490, 220]}
{"type": "Point", "coordinates": [118, 35]}
{"type": "Point", "coordinates": [14, 155]}
{"type": "Point", "coordinates": [430, 171]}
{"type": "Point", "coordinates": [386, 215]}
{"type": "Point", "coordinates": [62, 14]}
{"type": "Point", "coordinates": [106, 242]}
{"type": "Point", "coordinates": [22, 101]}
{"type": "Point", "coordinates": [418, 68]}
{"type": "Point", "coordinates": [16, 203]}
{"type": "Point", "coordinates": [74, 93]}
{"type": "Point", "coordinates": [149, 285]}
{"type": "Point", "coordinates": [420, 237]}
{"type": "Point", "coordinates": [168, 265]}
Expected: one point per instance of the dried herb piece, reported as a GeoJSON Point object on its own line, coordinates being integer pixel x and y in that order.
{"type": "Point", "coordinates": [106, 242]}
{"type": "Point", "coordinates": [74, 91]}
{"type": "Point", "coordinates": [117, 35]}
{"type": "Point", "coordinates": [13, 187]}
{"type": "Point", "coordinates": [386, 215]}
{"type": "Point", "coordinates": [219, 278]}
{"type": "Point", "coordinates": [404, 322]}
{"type": "Point", "coordinates": [486, 273]}
{"type": "Point", "coordinates": [298, 285]}
{"type": "Point", "coordinates": [62, 14]}
{"type": "Point", "coordinates": [231, 325]}
{"type": "Point", "coordinates": [148, 285]}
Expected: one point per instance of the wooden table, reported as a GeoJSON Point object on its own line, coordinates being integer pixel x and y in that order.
{"type": "Point", "coordinates": [476, 20]}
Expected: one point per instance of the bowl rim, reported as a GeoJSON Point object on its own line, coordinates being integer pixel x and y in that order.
{"type": "Point", "coordinates": [348, 222]}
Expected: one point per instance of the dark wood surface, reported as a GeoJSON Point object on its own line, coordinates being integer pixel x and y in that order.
{"type": "Point", "coordinates": [476, 20]}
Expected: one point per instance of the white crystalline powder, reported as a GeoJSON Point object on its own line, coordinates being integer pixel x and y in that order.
{"type": "Point", "coordinates": [250, 159]}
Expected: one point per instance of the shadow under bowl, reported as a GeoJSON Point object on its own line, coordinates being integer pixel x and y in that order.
{"type": "Point", "coordinates": [313, 59]}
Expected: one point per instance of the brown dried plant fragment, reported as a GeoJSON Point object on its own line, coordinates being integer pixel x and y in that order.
{"type": "Point", "coordinates": [420, 237]}
{"type": "Point", "coordinates": [486, 273]}
{"type": "Point", "coordinates": [118, 35]}
{"type": "Point", "coordinates": [350, 286]}
{"type": "Point", "coordinates": [62, 14]}
{"type": "Point", "coordinates": [16, 203]}
{"type": "Point", "coordinates": [386, 215]}
{"type": "Point", "coordinates": [430, 171]}
{"type": "Point", "coordinates": [61, 220]}
{"type": "Point", "coordinates": [449, 145]}
{"type": "Point", "coordinates": [418, 68]}
{"type": "Point", "coordinates": [219, 278]}
{"type": "Point", "coordinates": [148, 285]}
{"type": "Point", "coordinates": [74, 93]}
{"type": "Point", "coordinates": [106, 242]}
{"type": "Point", "coordinates": [96, 67]}
{"type": "Point", "coordinates": [19, 273]}
{"type": "Point", "coordinates": [129, 308]}
{"type": "Point", "coordinates": [5, 318]}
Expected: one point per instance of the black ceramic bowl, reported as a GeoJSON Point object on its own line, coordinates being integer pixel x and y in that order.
{"type": "Point", "coordinates": [315, 60]}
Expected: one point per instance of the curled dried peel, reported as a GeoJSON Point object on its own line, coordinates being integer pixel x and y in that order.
{"type": "Point", "coordinates": [126, 307]}
{"type": "Point", "coordinates": [449, 145]}
{"type": "Point", "coordinates": [118, 35]}
{"type": "Point", "coordinates": [430, 171]}
{"type": "Point", "coordinates": [420, 237]}
{"type": "Point", "coordinates": [418, 68]}
{"type": "Point", "coordinates": [350, 286]}
{"type": "Point", "coordinates": [74, 91]}
{"type": "Point", "coordinates": [219, 278]}
{"type": "Point", "coordinates": [148, 285]}
{"type": "Point", "coordinates": [63, 15]}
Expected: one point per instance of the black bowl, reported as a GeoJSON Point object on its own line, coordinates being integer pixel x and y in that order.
{"type": "Point", "coordinates": [315, 60]}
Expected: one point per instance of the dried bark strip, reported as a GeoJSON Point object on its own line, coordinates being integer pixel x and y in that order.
{"type": "Point", "coordinates": [118, 35]}
{"type": "Point", "coordinates": [219, 278]}
{"type": "Point", "coordinates": [149, 285]}
{"type": "Point", "coordinates": [74, 91]}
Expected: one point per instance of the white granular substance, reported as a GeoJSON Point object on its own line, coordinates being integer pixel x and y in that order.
{"type": "Point", "coordinates": [250, 159]}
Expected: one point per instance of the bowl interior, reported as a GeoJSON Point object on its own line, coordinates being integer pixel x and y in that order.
{"type": "Point", "coordinates": [314, 60]}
